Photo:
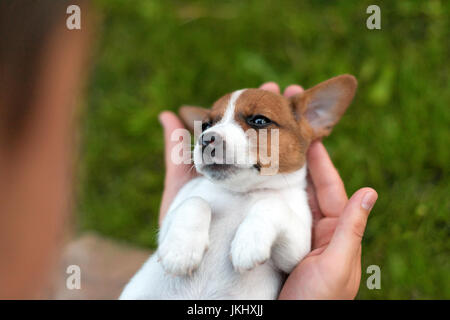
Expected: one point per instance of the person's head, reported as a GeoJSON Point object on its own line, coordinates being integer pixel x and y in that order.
{"type": "Point", "coordinates": [41, 65]}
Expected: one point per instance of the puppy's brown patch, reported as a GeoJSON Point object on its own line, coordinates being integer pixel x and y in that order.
{"type": "Point", "coordinates": [218, 109]}
{"type": "Point", "coordinates": [294, 136]}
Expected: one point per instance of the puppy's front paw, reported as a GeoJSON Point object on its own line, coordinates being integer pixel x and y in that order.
{"type": "Point", "coordinates": [248, 250]}
{"type": "Point", "coordinates": [181, 254]}
{"type": "Point", "coordinates": [184, 237]}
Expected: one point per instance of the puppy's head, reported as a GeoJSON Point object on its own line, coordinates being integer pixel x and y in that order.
{"type": "Point", "coordinates": [251, 134]}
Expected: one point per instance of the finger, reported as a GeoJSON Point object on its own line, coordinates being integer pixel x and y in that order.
{"type": "Point", "coordinates": [323, 231]}
{"type": "Point", "coordinates": [270, 86]}
{"type": "Point", "coordinates": [292, 90]}
{"type": "Point", "coordinates": [346, 240]}
{"type": "Point", "coordinates": [312, 200]}
{"type": "Point", "coordinates": [176, 175]}
{"type": "Point", "coordinates": [328, 184]}
{"type": "Point", "coordinates": [170, 122]}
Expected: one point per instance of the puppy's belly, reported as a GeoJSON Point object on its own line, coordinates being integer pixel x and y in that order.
{"type": "Point", "coordinates": [215, 278]}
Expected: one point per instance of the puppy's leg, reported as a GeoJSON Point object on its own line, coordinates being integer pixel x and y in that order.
{"type": "Point", "coordinates": [292, 244]}
{"type": "Point", "coordinates": [255, 236]}
{"type": "Point", "coordinates": [184, 236]}
{"type": "Point", "coordinates": [271, 230]}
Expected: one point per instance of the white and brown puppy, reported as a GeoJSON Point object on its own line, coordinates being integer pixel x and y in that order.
{"type": "Point", "coordinates": [234, 233]}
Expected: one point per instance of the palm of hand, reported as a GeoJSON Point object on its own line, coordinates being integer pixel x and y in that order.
{"type": "Point", "coordinates": [319, 274]}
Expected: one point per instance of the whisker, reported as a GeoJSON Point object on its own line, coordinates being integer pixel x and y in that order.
{"type": "Point", "coordinates": [192, 167]}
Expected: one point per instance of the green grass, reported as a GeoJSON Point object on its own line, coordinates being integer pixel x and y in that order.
{"type": "Point", "coordinates": [156, 55]}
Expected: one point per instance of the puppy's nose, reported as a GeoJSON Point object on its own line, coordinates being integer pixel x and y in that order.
{"type": "Point", "coordinates": [212, 146]}
{"type": "Point", "coordinates": [207, 139]}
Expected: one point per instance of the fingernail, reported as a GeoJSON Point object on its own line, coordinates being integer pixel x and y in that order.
{"type": "Point", "coordinates": [369, 200]}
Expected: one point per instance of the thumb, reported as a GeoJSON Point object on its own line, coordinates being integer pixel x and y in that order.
{"type": "Point", "coordinates": [347, 237]}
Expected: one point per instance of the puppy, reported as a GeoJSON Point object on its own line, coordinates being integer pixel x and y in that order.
{"type": "Point", "coordinates": [236, 231]}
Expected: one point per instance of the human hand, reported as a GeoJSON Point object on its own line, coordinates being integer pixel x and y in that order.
{"type": "Point", "coordinates": [176, 174]}
{"type": "Point", "coordinates": [332, 270]}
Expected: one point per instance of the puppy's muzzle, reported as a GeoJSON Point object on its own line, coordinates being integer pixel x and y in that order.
{"type": "Point", "coordinates": [213, 148]}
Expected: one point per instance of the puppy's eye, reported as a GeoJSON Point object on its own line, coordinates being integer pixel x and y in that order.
{"type": "Point", "coordinates": [258, 121]}
{"type": "Point", "coordinates": [206, 125]}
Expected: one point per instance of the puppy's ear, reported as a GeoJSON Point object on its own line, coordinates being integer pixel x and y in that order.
{"type": "Point", "coordinates": [324, 104]}
{"type": "Point", "coordinates": [189, 114]}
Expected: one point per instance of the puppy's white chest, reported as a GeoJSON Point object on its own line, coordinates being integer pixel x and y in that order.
{"type": "Point", "coordinates": [226, 245]}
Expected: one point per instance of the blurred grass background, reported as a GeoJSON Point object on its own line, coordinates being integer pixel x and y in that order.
{"type": "Point", "coordinates": [157, 55]}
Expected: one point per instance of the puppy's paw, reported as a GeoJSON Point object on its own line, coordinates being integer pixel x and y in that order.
{"type": "Point", "coordinates": [184, 237]}
{"type": "Point", "coordinates": [181, 255]}
{"type": "Point", "coordinates": [248, 250]}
